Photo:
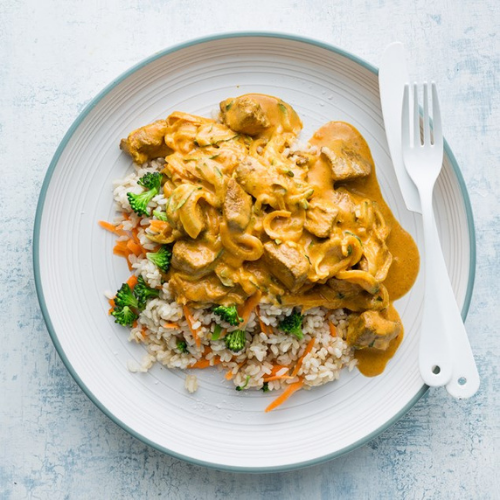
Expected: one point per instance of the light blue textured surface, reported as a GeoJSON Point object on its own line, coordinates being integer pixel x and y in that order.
{"type": "Point", "coordinates": [54, 56]}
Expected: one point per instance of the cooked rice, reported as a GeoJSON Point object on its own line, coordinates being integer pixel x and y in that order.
{"type": "Point", "coordinates": [191, 383]}
{"type": "Point", "coordinates": [323, 364]}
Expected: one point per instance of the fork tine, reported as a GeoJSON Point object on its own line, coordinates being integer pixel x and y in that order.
{"type": "Point", "coordinates": [427, 126]}
{"type": "Point", "coordinates": [405, 116]}
{"type": "Point", "coordinates": [436, 116]}
{"type": "Point", "coordinates": [416, 118]}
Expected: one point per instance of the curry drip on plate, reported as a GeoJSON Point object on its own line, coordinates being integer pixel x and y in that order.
{"type": "Point", "coordinates": [249, 216]}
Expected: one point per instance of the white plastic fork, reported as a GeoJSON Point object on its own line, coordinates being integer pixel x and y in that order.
{"type": "Point", "coordinates": [445, 356]}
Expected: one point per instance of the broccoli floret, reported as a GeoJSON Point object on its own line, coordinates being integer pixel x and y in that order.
{"type": "Point", "coordinates": [229, 314]}
{"type": "Point", "coordinates": [265, 387]}
{"type": "Point", "coordinates": [124, 315]}
{"type": "Point", "coordinates": [151, 180]}
{"type": "Point", "coordinates": [128, 304]}
{"type": "Point", "coordinates": [241, 387]}
{"type": "Point", "coordinates": [143, 292]}
{"type": "Point", "coordinates": [235, 341]}
{"type": "Point", "coordinates": [125, 298]}
{"type": "Point", "coordinates": [182, 346]}
{"type": "Point", "coordinates": [293, 325]}
{"type": "Point", "coordinates": [161, 258]}
{"type": "Point", "coordinates": [139, 202]}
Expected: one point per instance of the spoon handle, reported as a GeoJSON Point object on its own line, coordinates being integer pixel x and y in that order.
{"type": "Point", "coordinates": [464, 381]}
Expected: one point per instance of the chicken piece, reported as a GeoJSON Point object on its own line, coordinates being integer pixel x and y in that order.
{"type": "Point", "coordinates": [147, 143]}
{"type": "Point", "coordinates": [344, 289]}
{"type": "Point", "coordinates": [207, 290]}
{"type": "Point", "coordinates": [324, 296]}
{"type": "Point", "coordinates": [193, 257]}
{"type": "Point", "coordinates": [256, 273]}
{"type": "Point", "coordinates": [371, 329]}
{"type": "Point", "coordinates": [237, 207]}
{"type": "Point", "coordinates": [254, 177]}
{"type": "Point", "coordinates": [361, 278]}
{"type": "Point", "coordinates": [343, 201]}
{"type": "Point", "coordinates": [320, 218]}
{"type": "Point", "coordinates": [244, 115]}
{"type": "Point", "coordinates": [356, 298]}
{"type": "Point", "coordinates": [287, 264]}
{"type": "Point", "coordinates": [259, 181]}
{"type": "Point", "coordinates": [346, 163]}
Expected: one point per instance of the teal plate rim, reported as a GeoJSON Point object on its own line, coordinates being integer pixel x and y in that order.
{"type": "Point", "coordinates": [36, 247]}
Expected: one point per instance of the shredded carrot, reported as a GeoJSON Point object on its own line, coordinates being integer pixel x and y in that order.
{"type": "Point", "coordinates": [246, 309]}
{"type": "Point", "coordinates": [109, 227]}
{"type": "Point", "coordinates": [112, 304]}
{"type": "Point", "coordinates": [121, 246]}
{"type": "Point", "coordinates": [205, 363]}
{"type": "Point", "coordinates": [134, 324]}
{"type": "Point", "coordinates": [135, 248]}
{"type": "Point", "coordinates": [333, 329]}
{"type": "Point", "coordinates": [132, 281]}
{"type": "Point", "coordinates": [308, 349]}
{"type": "Point", "coordinates": [285, 395]}
{"type": "Point", "coordinates": [135, 235]}
{"type": "Point", "coordinates": [120, 253]}
{"type": "Point", "coordinates": [190, 322]}
{"type": "Point", "coordinates": [263, 326]}
{"type": "Point", "coordinates": [202, 363]}
{"type": "Point", "coordinates": [276, 368]}
{"type": "Point", "coordinates": [277, 377]}
{"type": "Point", "coordinates": [157, 226]}
{"type": "Point", "coordinates": [122, 250]}
{"type": "Point", "coordinates": [274, 373]}
{"type": "Point", "coordinates": [171, 325]}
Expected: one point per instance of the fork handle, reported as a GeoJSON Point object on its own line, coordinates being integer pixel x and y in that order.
{"type": "Point", "coordinates": [440, 306]}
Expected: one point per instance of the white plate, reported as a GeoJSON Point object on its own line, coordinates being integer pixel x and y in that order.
{"type": "Point", "coordinates": [74, 263]}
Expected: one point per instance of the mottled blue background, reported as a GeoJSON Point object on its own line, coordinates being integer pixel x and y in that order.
{"type": "Point", "coordinates": [55, 55]}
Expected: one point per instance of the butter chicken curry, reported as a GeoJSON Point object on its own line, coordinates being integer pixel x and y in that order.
{"type": "Point", "coordinates": [250, 214]}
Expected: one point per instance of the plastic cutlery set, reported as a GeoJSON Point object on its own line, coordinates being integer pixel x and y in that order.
{"type": "Point", "coordinates": [416, 146]}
